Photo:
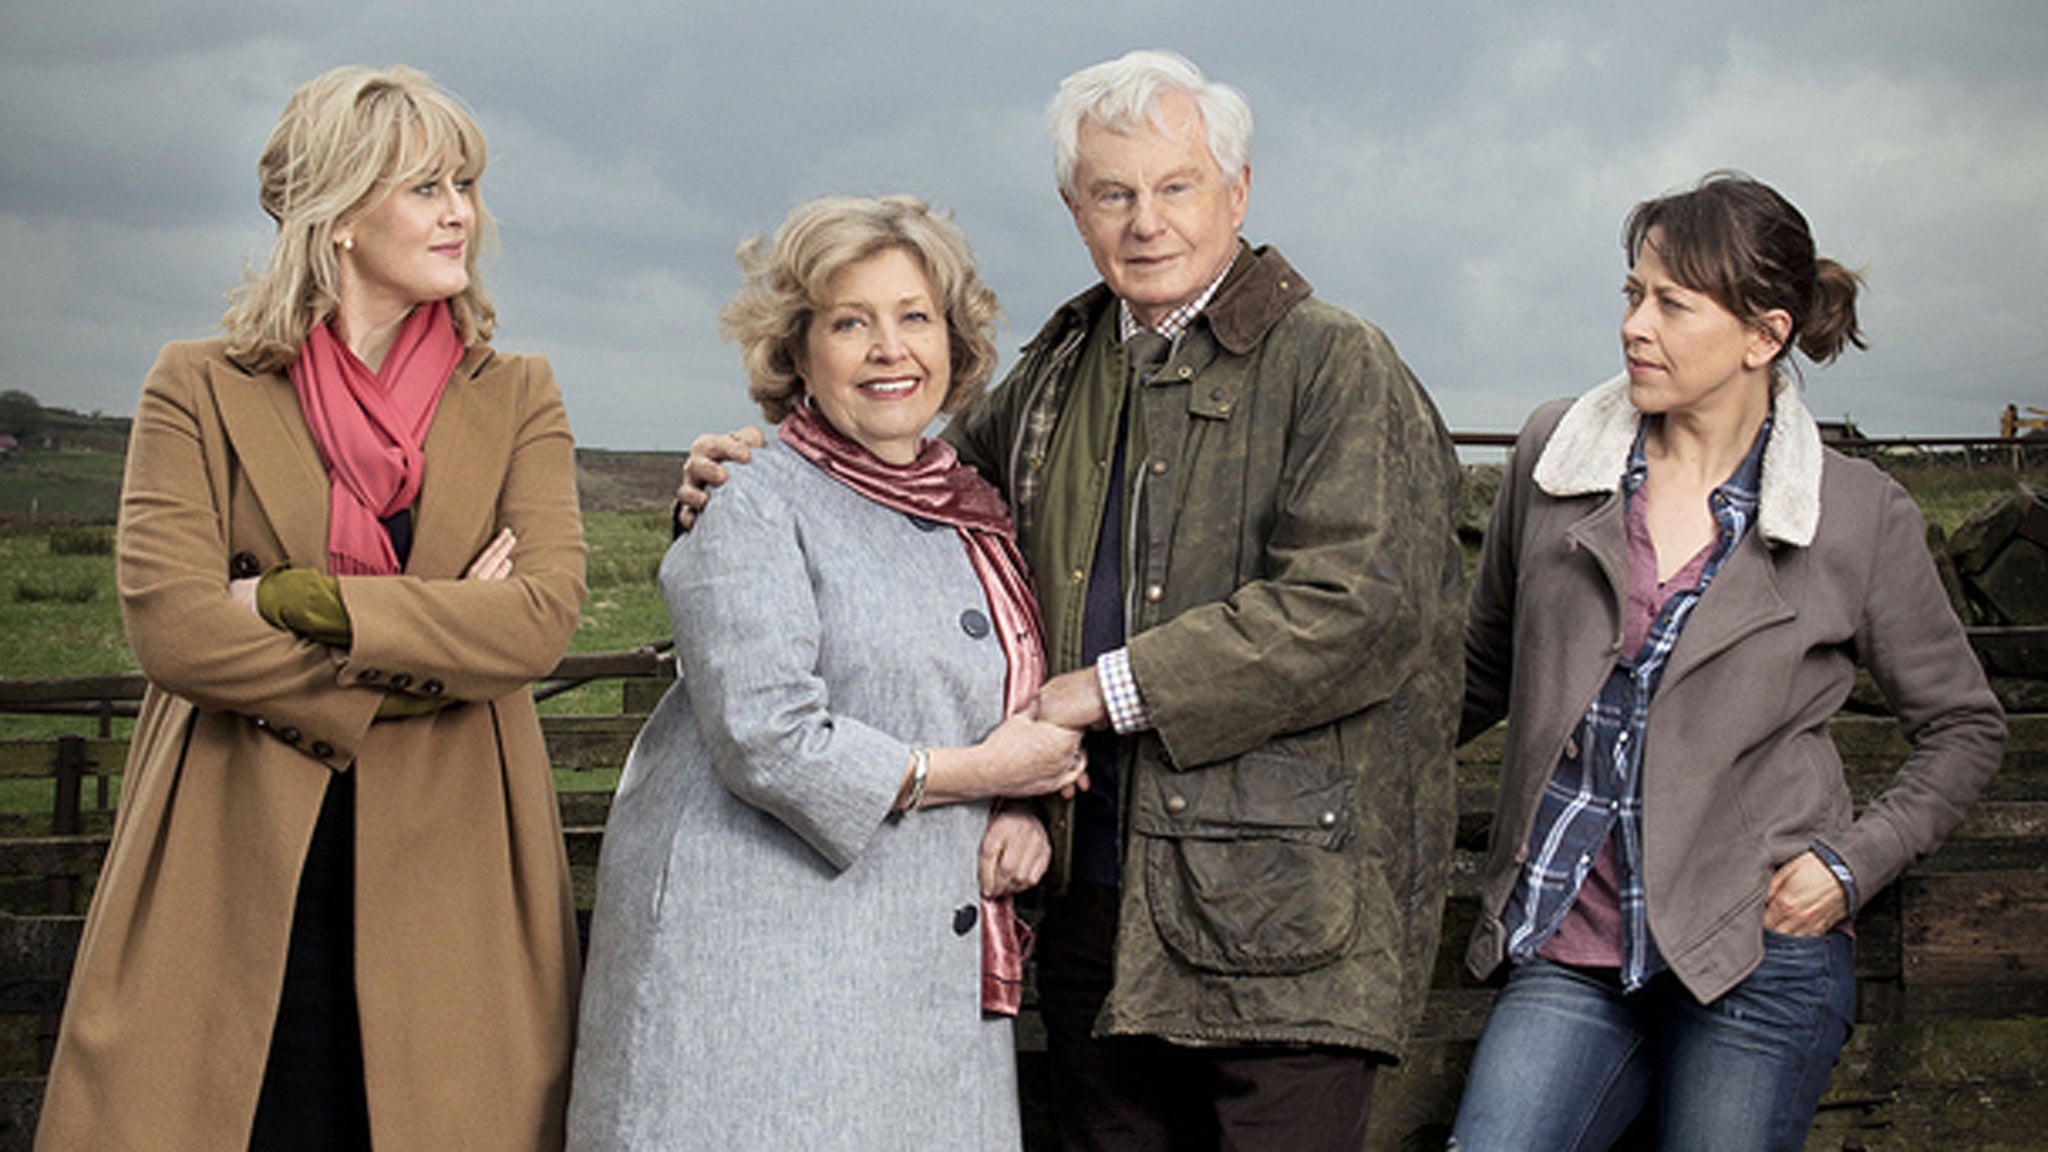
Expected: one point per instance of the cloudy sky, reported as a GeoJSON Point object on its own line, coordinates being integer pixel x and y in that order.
{"type": "Point", "coordinates": [1455, 171]}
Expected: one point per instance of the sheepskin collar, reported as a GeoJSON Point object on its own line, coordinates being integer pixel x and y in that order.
{"type": "Point", "coordinates": [1588, 452]}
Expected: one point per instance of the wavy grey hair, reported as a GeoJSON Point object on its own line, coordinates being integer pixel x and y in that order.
{"type": "Point", "coordinates": [1124, 94]}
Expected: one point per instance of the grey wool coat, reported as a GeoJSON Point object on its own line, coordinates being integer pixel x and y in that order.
{"type": "Point", "coordinates": [775, 961]}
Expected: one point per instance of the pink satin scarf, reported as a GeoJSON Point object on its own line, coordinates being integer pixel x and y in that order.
{"type": "Point", "coordinates": [938, 487]}
{"type": "Point", "coordinates": [369, 427]}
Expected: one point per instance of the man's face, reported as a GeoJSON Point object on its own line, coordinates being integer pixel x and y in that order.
{"type": "Point", "coordinates": [1159, 219]}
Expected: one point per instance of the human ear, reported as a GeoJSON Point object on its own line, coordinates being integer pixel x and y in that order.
{"type": "Point", "coordinates": [1767, 337]}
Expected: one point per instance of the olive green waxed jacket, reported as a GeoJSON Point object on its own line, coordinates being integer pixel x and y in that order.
{"type": "Point", "coordinates": [1294, 612]}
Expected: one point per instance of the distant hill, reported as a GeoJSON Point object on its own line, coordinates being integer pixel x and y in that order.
{"type": "Point", "coordinates": [72, 472]}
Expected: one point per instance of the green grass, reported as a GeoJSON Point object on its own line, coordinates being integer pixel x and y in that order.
{"type": "Point", "coordinates": [64, 485]}
{"type": "Point", "coordinates": [1948, 492]}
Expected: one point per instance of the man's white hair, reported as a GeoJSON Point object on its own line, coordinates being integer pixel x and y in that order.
{"type": "Point", "coordinates": [1123, 94]}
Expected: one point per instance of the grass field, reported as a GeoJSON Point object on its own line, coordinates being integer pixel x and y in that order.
{"type": "Point", "coordinates": [60, 616]}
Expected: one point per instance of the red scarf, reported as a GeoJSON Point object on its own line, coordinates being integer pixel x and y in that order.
{"type": "Point", "coordinates": [369, 427]}
{"type": "Point", "coordinates": [936, 486]}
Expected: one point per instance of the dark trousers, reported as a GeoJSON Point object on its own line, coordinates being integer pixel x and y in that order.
{"type": "Point", "coordinates": [313, 1097]}
{"type": "Point", "coordinates": [1134, 1093]}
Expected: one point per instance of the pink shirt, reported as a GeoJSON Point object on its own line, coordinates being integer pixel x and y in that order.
{"type": "Point", "coordinates": [1590, 936]}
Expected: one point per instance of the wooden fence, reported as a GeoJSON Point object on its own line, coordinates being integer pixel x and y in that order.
{"type": "Point", "coordinates": [1950, 1051]}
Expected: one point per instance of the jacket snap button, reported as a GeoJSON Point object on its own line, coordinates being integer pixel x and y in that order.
{"type": "Point", "coordinates": [401, 680]}
{"type": "Point", "coordinates": [964, 918]}
{"type": "Point", "coordinates": [1327, 819]}
{"type": "Point", "coordinates": [974, 623]}
{"type": "Point", "coordinates": [1154, 593]}
{"type": "Point", "coordinates": [1159, 467]}
{"type": "Point", "coordinates": [1176, 803]}
{"type": "Point", "coordinates": [288, 735]}
{"type": "Point", "coordinates": [369, 675]}
{"type": "Point", "coordinates": [322, 749]}
{"type": "Point", "coordinates": [433, 687]}
{"type": "Point", "coordinates": [244, 565]}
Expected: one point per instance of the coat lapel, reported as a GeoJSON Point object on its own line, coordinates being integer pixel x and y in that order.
{"type": "Point", "coordinates": [261, 416]}
{"type": "Point", "coordinates": [457, 511]}
{"type": "Point", "coordinates": [1743, 599]}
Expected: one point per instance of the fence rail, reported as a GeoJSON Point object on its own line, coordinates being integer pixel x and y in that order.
{"type": "Point", "coordinates": [1951, 1049]}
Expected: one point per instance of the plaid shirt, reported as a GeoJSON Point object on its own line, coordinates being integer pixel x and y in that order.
{"type": "Point", "coordinates": [1597, 789]}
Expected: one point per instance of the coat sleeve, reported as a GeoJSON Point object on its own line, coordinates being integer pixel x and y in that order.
{"type": "Point", "coordinates": [984, 432]}
{"type": "Point", "coordinates": [482, 639]}
{"type": "Point", "coordinates": [1917, 652]}
{"type": "Point", "coordinates": [1490, 614]}
{"type": "Point", "coordinates": [747, 640]}
{"type": "Point", "coordinates": [1357, 572]}
{"type": "Point", "coordinates": [189, 637]}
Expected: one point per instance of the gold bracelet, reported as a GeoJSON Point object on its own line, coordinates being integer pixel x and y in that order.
{"type": "Point", "coordinates": [920, 770]}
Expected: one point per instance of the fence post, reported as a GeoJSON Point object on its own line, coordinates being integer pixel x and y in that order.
{"type": "Point", "coordinates": [64, 821]}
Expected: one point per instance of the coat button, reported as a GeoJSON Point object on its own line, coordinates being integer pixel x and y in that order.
{"type": "Point", "coordinates": [323, 749]}
{"type": "Point", "coordinates": [1159, 467]}
{"type": "Point", "coordinates": [974, 623]}
{"type": "Point", "coordinates": [288, 735]}
{"type": "Point", "coordinates": [963, 919]}
{"type": "Point", "coordinates": [1327, 819]}
{"type": "Point", "coordinates": [260, 722]}
{"type": "Point", "coordinates": [1176, 804]}
{"type": "Point", "coordinates": [1154, 593]}
{"type": "Point", "coordinates": [432, 687]}
{"type": "Point", "coordinates": [401, 680]}
{"type": "Point", "coordinates": [369, 676]}
{"type": "Point", "coordinates": [244, 565]}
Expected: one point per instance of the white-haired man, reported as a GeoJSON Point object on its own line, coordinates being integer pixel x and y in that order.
{"type": "Point", "coordinates": [1237, 505]}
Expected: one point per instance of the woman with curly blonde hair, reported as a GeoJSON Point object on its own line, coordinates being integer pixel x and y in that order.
{"type": "Point", "coordinates": [802, 937]}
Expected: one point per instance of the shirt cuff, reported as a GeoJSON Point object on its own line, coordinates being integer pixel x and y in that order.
{"type": "Point", "coordinates": [1843, 876]}
{"type": "Point", "coordinates": [1127, 712]}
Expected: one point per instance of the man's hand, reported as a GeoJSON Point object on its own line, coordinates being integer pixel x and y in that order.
{"type": "Point", "coordinates": [705, 469]}
{"type": "Point", "coordinates": [1073, 700]}
{"type": "Point", "coordinates": [1805, 898]}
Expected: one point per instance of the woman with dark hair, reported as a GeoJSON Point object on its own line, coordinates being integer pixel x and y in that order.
{"type": "Point", "coordinates": [1677, 586]}
{"type": "Point", "coordinates": [336, 910]}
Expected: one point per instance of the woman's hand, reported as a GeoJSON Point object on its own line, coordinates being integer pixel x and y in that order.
{"type": "Point", "coordinates": [1024, 756]}
{"type": "Point", "coordinates": [495, 561]}
{"type": "Point", "coordinates": [1028, 756]}
{"type": "Point", "coordinates": [1014, 853]}
{"type": "Point", "coordinates": [1805, 898]}
{"type": "Point", "coordinates": [705, 469]}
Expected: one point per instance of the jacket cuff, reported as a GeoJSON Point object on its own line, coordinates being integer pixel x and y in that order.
{"type": "Point", "coordinates": [1843, 876]}
{"type": "Point", "coordinates": [1127, 711]}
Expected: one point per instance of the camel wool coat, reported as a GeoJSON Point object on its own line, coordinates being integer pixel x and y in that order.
{"type": "Point", "coordinates": [465, 932]}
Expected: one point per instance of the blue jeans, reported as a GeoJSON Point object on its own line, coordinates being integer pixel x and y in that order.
{"type": "Point", "coordinates": [1568, 1060]}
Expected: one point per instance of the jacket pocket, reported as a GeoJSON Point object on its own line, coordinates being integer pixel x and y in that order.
{"type": "Point", "coordinates": [1245, 864]}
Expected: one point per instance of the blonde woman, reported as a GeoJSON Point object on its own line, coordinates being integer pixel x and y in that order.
{"type": "Point", "coordinates": [801, 938]}
{"type": "Point", "coordinates": [336, 910]}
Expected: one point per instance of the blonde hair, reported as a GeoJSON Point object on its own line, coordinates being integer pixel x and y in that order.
{"type": "Point", "coordinates": [770, 316]}
{"type": "Point", "coordinates": [346, 139]}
